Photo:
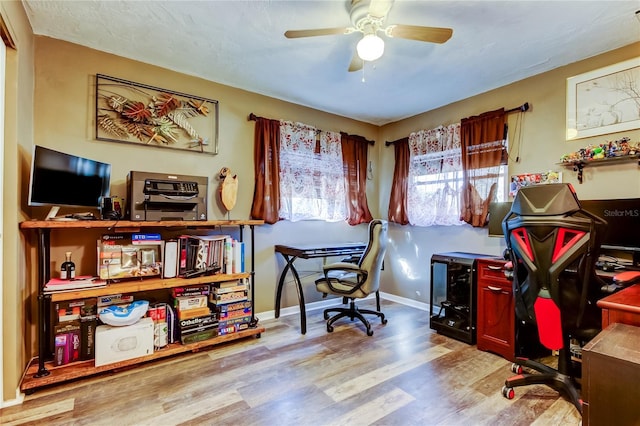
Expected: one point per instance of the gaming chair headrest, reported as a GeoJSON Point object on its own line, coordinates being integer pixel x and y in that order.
{"type": "Point", "coordinates": [545, 200]}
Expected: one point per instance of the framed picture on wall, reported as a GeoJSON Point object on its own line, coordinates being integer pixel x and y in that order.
{"type": "Point", "coordinates": [603, 101]}
{"type": "Point", "coordinates": [136, 113]}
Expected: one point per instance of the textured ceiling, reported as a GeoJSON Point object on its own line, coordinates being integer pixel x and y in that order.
{"type": "Point", "coordinates": [241, 44]}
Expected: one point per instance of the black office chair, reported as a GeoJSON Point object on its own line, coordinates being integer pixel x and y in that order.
{"type": "Point", "coordinates": [553, 246]}
{"type": "Point", "coordinates": [354, 281]}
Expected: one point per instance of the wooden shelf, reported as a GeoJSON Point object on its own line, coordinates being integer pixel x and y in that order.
{"type": "Point", "coordinates": [579, 165]}
{"type": "Point", "coordinates": [80, 369]}
{"type": "Point", "coordinates": [142, 285]}
{"type": "Point", "coordinates": [49, 374]}
{"type": "Point", "coordinates": [131, 226]}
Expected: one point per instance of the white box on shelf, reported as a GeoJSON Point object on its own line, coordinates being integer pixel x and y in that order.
{"type": "Point", "coordinates": [115, 344]}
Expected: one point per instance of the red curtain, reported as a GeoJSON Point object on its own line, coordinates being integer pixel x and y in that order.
{"type": "Point", "coordinates": [354, 158]}
{"type": "Point", "coordinates": [399, 186]}
{"type": "Point", "coordinates": [483, 145]}
{"type": "Point", "coordinates": [266, 148]}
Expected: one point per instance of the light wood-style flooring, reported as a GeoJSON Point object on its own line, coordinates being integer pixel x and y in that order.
{"type": "Point", "coordinates": [405, 374]}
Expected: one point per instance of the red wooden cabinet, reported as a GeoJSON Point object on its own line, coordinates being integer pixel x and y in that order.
{"type": "Point", "coordinates": [496, 310]}
{"type": "Point", "coordinates": [622, 306]}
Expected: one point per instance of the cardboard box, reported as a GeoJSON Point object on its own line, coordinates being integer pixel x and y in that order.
{"type": "Point", "coordinates": [88, 337]}
{"type": "Point", "coordinates": [115, 344]}
{"type": "Point", "coordinates": [66, 311]}
{"type": "Point", "coordinates": [67, 342]}
{"type": "Point", "coordinates": [119, 257]}
{"type": "Point", "coordinates": [184, 303]}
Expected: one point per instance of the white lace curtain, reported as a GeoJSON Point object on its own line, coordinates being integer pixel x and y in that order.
{"type": "Point", "coordinates": [435, 176]}
{"type": "Point", "coordinates": [311, 174]}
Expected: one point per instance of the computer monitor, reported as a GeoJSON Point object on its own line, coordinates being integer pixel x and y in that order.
{"type": "Point", "coordinates": [497, 212]}
{"type": "Point", "coordinates": [623, 222]}
{"type": "Point", "coordinates": [60, 179]}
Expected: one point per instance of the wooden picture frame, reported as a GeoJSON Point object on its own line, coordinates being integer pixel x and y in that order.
{"type": "Point", "coordinates": [603, 101]}
{"type": "Point", "coordinates": [136, 113]}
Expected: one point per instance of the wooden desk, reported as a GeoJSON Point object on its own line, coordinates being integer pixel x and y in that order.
{"type": "Point", "coordinates": [610, 376]}
{"type": "Point", "coordinates": [290, 254]}
{"type": "Point", "coordinates": [623, 307]}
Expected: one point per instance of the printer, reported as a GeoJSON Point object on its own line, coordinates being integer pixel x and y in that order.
{"type": "Point", "coordinates": [159, 196]}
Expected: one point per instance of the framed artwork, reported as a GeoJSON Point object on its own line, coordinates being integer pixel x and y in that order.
{"type": "Point", "coordinates": [139, 114]}
{"type": "Point", "coordinates": [603, 101]}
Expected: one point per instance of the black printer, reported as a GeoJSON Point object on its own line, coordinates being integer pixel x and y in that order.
{"type": "Point", "coordinates": [160, 196]}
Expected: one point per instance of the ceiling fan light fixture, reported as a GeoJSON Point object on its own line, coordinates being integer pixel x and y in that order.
{"type": "Point", "coordinates": [370, 48]}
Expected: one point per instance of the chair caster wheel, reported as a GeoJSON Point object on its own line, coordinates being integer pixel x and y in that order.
{"type": "Point", "coordinates": [508, 392]}
{"type": "Point", "coordinates": [329, 328]}
{"type": "Point", "coordinates": [326, 316]}
{"type": "Point", "coordinates": [516, 368]}
{"type": "Point", "coordinates": [369, 332]}
{"type": "Point", "coordinates": [384, 320]}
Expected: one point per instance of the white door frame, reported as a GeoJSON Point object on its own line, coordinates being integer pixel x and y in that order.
{"type": "Point", "coordinates": [3, 56]}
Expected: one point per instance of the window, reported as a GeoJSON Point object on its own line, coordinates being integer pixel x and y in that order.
{"type": "Point", "coordinates": [311, 174]}
{"type": "Point", "coordinates": [435, 179]}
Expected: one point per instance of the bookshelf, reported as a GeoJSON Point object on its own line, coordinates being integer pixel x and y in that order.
{"type": "Point", "coordinates": [41, 372]}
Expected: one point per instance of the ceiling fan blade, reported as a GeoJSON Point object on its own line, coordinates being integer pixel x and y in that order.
{"type": "Point", "coordinates": [380, 8]}
{"type": "Point", "coordinates": [317, 32]}
{"type": "Point", "coordinates": [356, 63]}
{"type": "Point", "coordinates": [414, 32]}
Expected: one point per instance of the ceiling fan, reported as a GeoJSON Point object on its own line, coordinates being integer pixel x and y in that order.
{"type": "Point", "coordinates": [367, 17]}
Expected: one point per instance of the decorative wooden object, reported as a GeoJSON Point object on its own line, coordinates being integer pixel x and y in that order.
{"type": "Point", "coordinates": [228, 188]}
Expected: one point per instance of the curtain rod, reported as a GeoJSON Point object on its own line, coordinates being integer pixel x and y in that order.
{"type": "Point", "coordinates": [522, 108]}
{"type": "Point", "coordinates": [387, 143]}
{"type": "Point", "coordinates": [253, 117]}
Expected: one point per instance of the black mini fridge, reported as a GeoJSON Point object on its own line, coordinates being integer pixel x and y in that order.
{"type": "Point", "coordinates": [453, 295]}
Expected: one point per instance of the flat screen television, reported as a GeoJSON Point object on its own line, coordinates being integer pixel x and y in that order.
{"type": "Point", "coordinates": [59, 179]}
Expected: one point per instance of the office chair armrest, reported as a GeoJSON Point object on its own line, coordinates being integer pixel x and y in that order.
{"type": "Point", "coordinates": [350, 270]}
{"type": "Point", "coordinates": [627, 278]}
{"type": "Point", "coordinates": [341, 266]}
{"type": "Point", "coordinates": [508, 270]}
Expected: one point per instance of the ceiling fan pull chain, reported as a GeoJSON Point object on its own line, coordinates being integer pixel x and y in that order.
{"type": "Point", "coordinates": [363, 79]}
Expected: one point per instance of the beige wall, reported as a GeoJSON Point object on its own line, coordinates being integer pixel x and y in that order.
{"type": "Point", "coordinates": [18, 137]}
{"type": "Point", "coordinates": [63, 110]}
{"type": "Point", "coordinates": [543, 128]}
{"type": "Point", "coordinates": [542, 143]}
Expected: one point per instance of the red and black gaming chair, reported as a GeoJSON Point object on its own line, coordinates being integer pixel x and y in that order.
{"type": "Point", "coordinates": [552, 245]}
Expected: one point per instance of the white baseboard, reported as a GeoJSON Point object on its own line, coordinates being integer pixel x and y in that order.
{"type": "Point", "coordinates": [326, 303]}
{"type": "Point", "coordinates": [404, 301]}
{"type": "Point", "coordinates": [295, 310]}
{"type": "Point", "coordinates": [17, 401]}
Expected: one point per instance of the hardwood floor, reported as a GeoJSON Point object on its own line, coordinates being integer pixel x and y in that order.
{"type": "Point", "coordinates": [405, 374]}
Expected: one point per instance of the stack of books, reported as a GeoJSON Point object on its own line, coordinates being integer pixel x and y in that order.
{"type": "Point", "coordinates": [196, 322]}
{"type": "Point", "coordinates": [192, 255]}
{"type": "Point", "coordinates": [78, 283]}
{"type": "Point", "coordinates": [232, 306]}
